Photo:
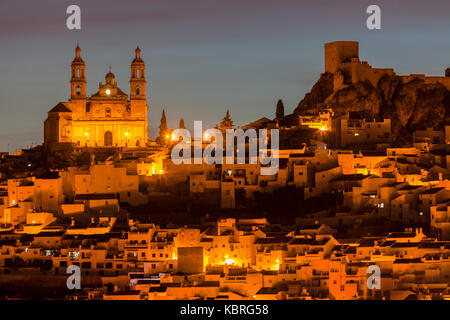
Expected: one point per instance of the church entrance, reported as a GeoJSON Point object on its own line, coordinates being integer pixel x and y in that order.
{"type": "Point", "coordinates": [108, 139]}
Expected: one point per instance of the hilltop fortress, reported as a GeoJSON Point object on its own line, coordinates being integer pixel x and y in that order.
{"type": "Point", "coordinates": [342, 60]}
{"type": "Point", "coordinates": [411, 102]}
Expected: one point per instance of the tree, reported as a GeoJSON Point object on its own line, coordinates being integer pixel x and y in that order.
{"type": "Point", "coordinates": [181, 125]}
{"type": "Point", "coordinates": [163, 126]}
{"type": "Point", "coordinates": [240, 195]}
{"type": "Point", "coordinates": [280, 110]}
{"type": "Point", "coordinates": [226, 122]}
{"type": "Point", "coordinates": [37, 263]}
{"type": "Point", "coordinates": [46, 265]}
{"type": "Point", "coordinates": [18, 263]}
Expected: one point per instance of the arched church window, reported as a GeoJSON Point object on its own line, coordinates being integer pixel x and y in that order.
{"type": "Point", "coordinates": [78, 90]}
{"type": "Point", "coordinates": [78, 73]}
{"type": "Point", "coordinates": [138, 90]}
{"type": "Point", "coordinates": [65, 132]}
{"type": "Point", "coordinates": [108, 113]}
{"type": "Point", "coordinates": [108, 139]}
{"type": "Point", "coordinates": [138, 73]}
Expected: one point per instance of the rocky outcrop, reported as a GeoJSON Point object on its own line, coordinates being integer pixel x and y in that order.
{"type": "Point", "coordinates": [361, 96]}
{"type": "Point", "coordinates": [410, 105]}
{"type": "Point", "coordinates": [321, 90]}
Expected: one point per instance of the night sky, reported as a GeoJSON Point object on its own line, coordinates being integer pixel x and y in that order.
{"type": "Point", "coordinates": [202, 56]}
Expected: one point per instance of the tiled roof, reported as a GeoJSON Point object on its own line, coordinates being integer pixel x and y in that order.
{"type": "Point", "coordinates": [60, 107]}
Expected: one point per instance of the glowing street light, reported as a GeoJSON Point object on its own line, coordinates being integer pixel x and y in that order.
{"type": "Point", "coordinates": [229, 261]}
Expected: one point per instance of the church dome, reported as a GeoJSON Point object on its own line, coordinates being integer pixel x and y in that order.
{"type": "Point", "coordinates": [110, 78]}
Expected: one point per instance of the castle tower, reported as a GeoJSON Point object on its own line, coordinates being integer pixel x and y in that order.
{"type": "Point", "coordinates": [78, 76]}
{"type": "Point", "coordinates": [339, 52]}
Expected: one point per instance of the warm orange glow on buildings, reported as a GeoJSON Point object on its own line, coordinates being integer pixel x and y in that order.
{"type": "Point", "coordinates": [108, 118]}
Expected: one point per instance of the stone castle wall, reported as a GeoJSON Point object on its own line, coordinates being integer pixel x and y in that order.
{"type": "Point", "coordinates": [338, 52]}
{"type": "Point", "coordinates": [342, 60]}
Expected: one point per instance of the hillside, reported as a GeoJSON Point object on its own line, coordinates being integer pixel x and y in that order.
{"type": "Point", "coordinates": [410, 105]}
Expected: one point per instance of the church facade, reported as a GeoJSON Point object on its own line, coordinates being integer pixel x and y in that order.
{"type": "Point", "coordinates": [108, 118]}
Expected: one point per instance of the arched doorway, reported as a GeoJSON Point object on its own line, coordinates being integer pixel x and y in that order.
{"type": "Point", "coordinates": [108, 139]}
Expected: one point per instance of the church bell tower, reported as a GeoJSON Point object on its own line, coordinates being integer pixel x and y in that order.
{"type": "Point", "coordinates": [138, 83]}
{"type": "Point", "coordinates": [137, 80]}
{"type": "Point", "coordinates": [78, 76]}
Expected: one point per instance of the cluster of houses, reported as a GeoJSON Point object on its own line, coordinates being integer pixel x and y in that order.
{"type": "Point", "coordinates": [225, 259]}
{"type": "Point", "coordinates": [78, 216]}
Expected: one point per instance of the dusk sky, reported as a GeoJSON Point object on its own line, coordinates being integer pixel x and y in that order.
{"type": "Point", "coordinates": [202, 56]}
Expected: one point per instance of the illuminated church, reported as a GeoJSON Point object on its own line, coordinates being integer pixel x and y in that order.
{"type": "Point", "coordinates": [108, 118]}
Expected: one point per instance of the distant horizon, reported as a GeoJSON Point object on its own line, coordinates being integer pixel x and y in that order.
{"type": "Point", "coordinates": [202, 58]}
